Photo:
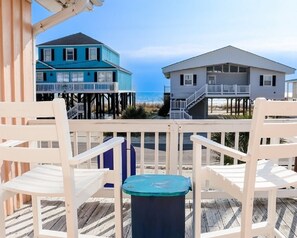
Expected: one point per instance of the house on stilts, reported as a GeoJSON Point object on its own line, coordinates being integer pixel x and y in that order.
{"type": "Point", "coordinates": [87, 74]}
{"type": "Point", "coordinates": [227, 73]}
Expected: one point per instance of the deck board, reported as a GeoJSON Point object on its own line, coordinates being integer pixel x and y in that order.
{"type": "Point", "coordinates": [96, 217]}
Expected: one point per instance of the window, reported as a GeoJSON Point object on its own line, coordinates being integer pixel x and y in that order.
{"type": "Point", "coordinates": [209, 69]}
{"type": "Point", "coordinates": [242, 69]}
{"type": "Point", "coordinates": [62, 77]}
{"type": "Point", "coordinates": [218, 68]}
{"type": "Point", "coordinates": [211, 79]}
{"type": "Point", "coordinates": [70, 54]}
{"type": "Point", "coordinates": [188, 79]}
{"type": "Point", "coordinates": [92, 53]}
{"type": "Point", "coordinates": [226, 68]}
{"type": "Point", "coordinates": [77, 76]}
{"type": "Point", "coordinates": [267, 80]}
{"type": "Point", "coordinates": [39, 76]}
{"type": "Point", "coordinates": [233, 68]}
{"type": "Point", "coordinates": [47, 55]}
{"type": "Point", "coordinates": [104, 76]}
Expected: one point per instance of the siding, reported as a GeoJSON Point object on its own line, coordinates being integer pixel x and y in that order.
{"type": "Point", "coordinates": [125, 81]}
{"type": "Point", "coordinates": [16, 69]}
{"type": "Point", "coordinates": [268, 92]}
{"type": "Point", "coordinates": [182, 91]}
{"type": "Point", "coordinates": [110, 56]}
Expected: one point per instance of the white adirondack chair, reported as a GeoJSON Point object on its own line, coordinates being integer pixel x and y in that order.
{"type": "Point", "coordinates": [258, 173]}
{"type": "Point", "coordinates": [61, 180]}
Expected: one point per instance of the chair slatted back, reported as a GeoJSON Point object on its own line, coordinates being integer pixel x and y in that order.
{"type": "Point", "coordinates": [273, 120]}
{"type": "Point", "coordinates": [57, 132]}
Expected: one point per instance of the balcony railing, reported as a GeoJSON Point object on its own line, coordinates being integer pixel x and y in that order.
{"type": "Point", "coordinates": [75, 87]}
{"type": "Point", "coordinates": [227, 90]}
{"type": "Point", "coordinates": [164, 146]}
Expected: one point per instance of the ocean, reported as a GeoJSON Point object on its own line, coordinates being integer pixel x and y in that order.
{"type": "Point", "coordinates": [155, 97]}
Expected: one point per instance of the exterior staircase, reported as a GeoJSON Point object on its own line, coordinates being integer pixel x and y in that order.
{"type": "Point", "coordinates": [191, 101]}
{"type": "Point", "coordinates": [75, 111]}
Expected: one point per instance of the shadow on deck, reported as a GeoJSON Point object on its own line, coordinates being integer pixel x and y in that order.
{"type": "Point", "coordinates": [97, 215]}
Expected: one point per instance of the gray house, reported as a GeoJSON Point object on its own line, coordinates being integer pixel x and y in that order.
{"type": "Point", "coordinates": [230, 73]}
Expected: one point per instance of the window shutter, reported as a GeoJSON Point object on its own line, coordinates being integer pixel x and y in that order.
{"type": "Point", "coordinates": [261, 80]}
{"type": "Point", "coordinates": [98, 54]}
{"type": "Point", "coordinates": [44, 76]}
{"type": "Point", "coordinates": [75, 54]}
{"type": "Point", "coordinates": [64, 54]}
{"type": "Point", "coordinates": [274, 80]}
{"type": "Point", "coordinates": [195, 79]}
{"type": "Point", "coordinates": [113, 76]}
{"type": "Point", "coordinates": [181, 79]}
{"type": "Point", "coordinates": [41, 55]}
{"type": "Point", "coordinates": [95, 77]}
{"type": "Point", "coordinates": [53, 54]}
{"type": "Point", "coordinates": [87, 53]}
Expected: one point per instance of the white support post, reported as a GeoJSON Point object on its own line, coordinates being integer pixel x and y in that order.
{"type": "Point", "coordinates": [197, 153]}
{"type": "Point", "coordinates": [173, 158]}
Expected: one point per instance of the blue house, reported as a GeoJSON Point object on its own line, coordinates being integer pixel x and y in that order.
{"type": "Point", "coordinates": [86, 73]}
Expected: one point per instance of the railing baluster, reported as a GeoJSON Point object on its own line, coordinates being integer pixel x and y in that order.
{"type": "Point", "coordinates": [167, 152]}
{"type": "Point", "coordinates": [141, 152]}
{"type": "Point", "coordinates": [223, 135]}
{"type": "Point", "coordinates": [89, 146]}
{"type": "Point", "coordinates": [207, 160]}
{"type": "Point", "coordinates": [128, 138]}
{"type": "Point", "coordinates": [181, 150]}
{"type": "Point", "coordinates": [236, 145]}
{"type": "Point", "coordinates": [156, 159]}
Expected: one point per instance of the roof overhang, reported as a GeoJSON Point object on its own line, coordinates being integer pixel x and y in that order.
{"type": "Point", "coordinates": [58, 5]}
{"type": "Point", "coordinates": [226, 55]}
{"type": "Point", "coordinates": [62, 9]}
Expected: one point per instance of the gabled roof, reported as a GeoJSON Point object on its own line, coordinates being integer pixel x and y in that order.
{"type": "Point", "coordinates": [228, 54]}
{"type": "Point", "coordinates": [75, 39]}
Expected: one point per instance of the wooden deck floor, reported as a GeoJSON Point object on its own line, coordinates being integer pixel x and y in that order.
{"type": "Point", "coordinates": [96, 217]}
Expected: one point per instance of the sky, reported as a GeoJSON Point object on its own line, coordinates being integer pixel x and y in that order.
{"type": "Point", "coordinates": [150, 35]}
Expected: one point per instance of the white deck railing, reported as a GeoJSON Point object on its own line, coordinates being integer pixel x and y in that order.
{"type": "Point", "coordinates": [162, 146]}
{"type": "Point", "coordinates": [227, 90]}
{"type": "Point", "coordinates": [76, 87]}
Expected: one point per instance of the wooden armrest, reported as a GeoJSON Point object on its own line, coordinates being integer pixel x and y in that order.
{"type": "Point", "coordinates": [219, 147]}
{"type": "Point", "coordinates": [97, 150]}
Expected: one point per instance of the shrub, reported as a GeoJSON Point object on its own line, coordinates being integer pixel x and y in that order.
{"type": "Point", "coordinates": [134, 113]}
{"type": "Point", "coordinates": [164, 110]}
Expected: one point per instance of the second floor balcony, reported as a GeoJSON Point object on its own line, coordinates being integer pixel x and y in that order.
{"type": "Point", "coordinates": [77, 87]}
{"type": "Point", "coordinates": [227, 90]}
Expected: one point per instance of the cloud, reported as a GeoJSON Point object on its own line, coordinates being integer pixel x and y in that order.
{"type": "Point", "coordinates": [150, 52]}
{"type": "Point", "coordinates": [261, 46]}
{"type": "Point", "coordinates": [275, 45]}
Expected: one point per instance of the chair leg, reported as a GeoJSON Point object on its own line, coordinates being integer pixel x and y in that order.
{"type": "Point", "coordinates": [118, 200]}
{"type": "Point", "coordinates": [36, 210]}
{"type": "Point", "coordinates": [118, 211]}
{"type": "Point", "coordinates": [2, 216]}
{"type": "Point", "coordinates": [246, 217]}
{"type": "Point", "coordinates": [71, 218]}
{"type": "Point", "coordinates": [271, 212]}
{"type": "Point", "coordinates": [197, 153]}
